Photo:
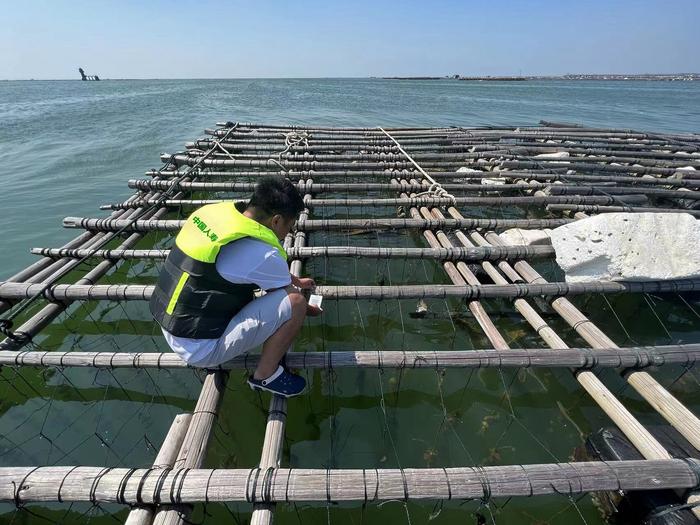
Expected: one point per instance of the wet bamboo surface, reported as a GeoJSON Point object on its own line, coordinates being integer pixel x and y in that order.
{"type": "Point", "coordinates": [451, 190]}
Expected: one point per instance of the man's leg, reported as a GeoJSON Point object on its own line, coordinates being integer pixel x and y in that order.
{"type": "Point", "coordinates": [272, 321]}
{"type": "Point", "coordinates": [278, 344]}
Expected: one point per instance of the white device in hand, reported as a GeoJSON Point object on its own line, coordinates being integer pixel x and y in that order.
{"type": "Point", "coordinates": [315, 300]}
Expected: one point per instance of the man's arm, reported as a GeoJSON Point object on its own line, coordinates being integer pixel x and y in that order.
{"type": "Point", "coordinates": [305, 283]}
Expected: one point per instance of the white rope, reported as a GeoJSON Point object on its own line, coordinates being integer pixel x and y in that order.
{"type": "Point", "coordinates": [435, 189]}
{"type": "Point", "coordinates": [293, 139]}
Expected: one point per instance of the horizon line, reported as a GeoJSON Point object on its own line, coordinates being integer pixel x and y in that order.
{"type": "Point", "coordinates": [382, 77]}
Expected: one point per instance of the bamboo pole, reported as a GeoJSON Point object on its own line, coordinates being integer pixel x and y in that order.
{"type": "Point", "coordinates": [167, 454]}
{"type": "Point", "coordinates": [688, 140]}
{"type": "Point", "coordinates": [187, 160]}
{"type": "Point", "coordinates": [589, 208]}
{"type": "Point", "coordinates": [139, 292]}
{"type": "Point", "coordinates": [443, 254]}
{"type": "Point", "coordinates": [355, 187]}
{"type": "Point", "coordinates": [187, 486]}
{"type": "Point", "coordinates": [545, 175]}
{"type": "Point", "coordinates": [192, 452]}
{"type": "Point", "coordinates": [443, 144]}
{"type": "Point", "coordinates": [273, 442]}
{"type": "Point", "coordinates": [631, 168]}
{"type": "Point", "coordinates": [431, 158]}
{"type": "Point", "coordinates": [327, 224]}
{"type": "Point", "coordinates": [550, 189]}
{"type": "Point", "coordinates": [561, 189]}
{"type": "Point", "coordinates": [184, 160]}
{"type": "Point", "coordinates": [441, 201]}
{"type": "Point", "coordinates": [636, 357]}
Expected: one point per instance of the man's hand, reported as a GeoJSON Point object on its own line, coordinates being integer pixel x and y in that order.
{"type": "Point", "coordinates": [305, 283]}
{"type": "Point", "coordinates": [313, 311]}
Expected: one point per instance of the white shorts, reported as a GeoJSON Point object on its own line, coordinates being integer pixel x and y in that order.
{"type": "Point", "coordinates": [248, 329]}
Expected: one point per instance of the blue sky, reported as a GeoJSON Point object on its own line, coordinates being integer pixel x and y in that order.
{"type": "Point", "coordinates": [217, 39]}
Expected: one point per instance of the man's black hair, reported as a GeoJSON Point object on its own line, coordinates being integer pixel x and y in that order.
{"type": "Point", "coordinates": [276, 195]}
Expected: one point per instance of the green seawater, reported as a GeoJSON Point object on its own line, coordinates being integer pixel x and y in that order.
{"type": "Point", "coordinates": [67, 147]}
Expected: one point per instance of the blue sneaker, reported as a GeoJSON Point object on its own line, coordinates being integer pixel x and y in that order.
{"type": "Point", "coordinates": [282, 383]}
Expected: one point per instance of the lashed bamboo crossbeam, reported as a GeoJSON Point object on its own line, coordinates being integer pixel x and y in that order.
{"type": "Point", "coordinates": [553, 189]}
{"type": "Point", "coordinates": [167, 454]}
{"type": "Point", "coordinates": [148, 184]}
{"type": "Point", "coordinates": [187, 160]}
{"type": "Point", "coordinates": [682, 419]}
{"type": "Point", "coordinates": [183, 486]}
{"type": "Point", "coordinates": [428, 158]}
{"type": "Point", "coordinates": [561, 189]}
{"type": "Point", "coordinates": [505, 138]}
{"type": "Point", "coordinates": [443, 145]}
{"type": "Point", "coordinates": [426, 200]}
{"type": "Point", "coordinates": [543, 175]}
{"type": "Point", "coordinates": [141, 292]}
{"type": "Point", "coordinates": [636, 357]}
{"type": "Point", "coordinates": [493, 201]}
{"type": "Point", "coordinates": [685, 140]}
{"type": "Point", "coordinates": [477, 132]}
{"type": "Point", "coordinates": [276, 129]}
{"type": "Point", "coordinates": [326, 224]}
{"type": "Point", "coordinates": [443, 254]}
{"type": "Point", "coordinates": [379, 163]}
{"type": "Point", "coordinates": [628, 168]}
{"type": "Point", "coordinates": [471, 130]}
{"type": "Point", "coordinates": [527, 201]}
{"type": "Point", "coordinates": [373, 174]}
{"type": "Point", "coordinates": [593, 208]}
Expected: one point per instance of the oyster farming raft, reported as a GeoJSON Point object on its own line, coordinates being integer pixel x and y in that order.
{"type": "Point", "coordinates": [427, 209]}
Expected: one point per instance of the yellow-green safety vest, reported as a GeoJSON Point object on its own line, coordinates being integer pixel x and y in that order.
{"type": "Point", "coordinates": [191, 298]}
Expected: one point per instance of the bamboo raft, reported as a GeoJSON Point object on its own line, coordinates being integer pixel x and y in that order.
{"type": "Point", "coordinates": [455, 216]}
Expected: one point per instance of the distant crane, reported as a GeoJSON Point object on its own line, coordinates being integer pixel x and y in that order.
{"type": "Point", "coordinates": [87, 77]}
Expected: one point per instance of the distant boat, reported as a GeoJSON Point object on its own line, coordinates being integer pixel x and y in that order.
{"type": "Point", "coordinates": [87, 77]}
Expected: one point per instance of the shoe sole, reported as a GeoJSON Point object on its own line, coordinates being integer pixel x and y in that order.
{"type": "Point", "coordinates": [263, 389]}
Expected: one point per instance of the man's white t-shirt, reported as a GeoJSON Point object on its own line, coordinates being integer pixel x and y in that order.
{"type": "Point", "coordinates": [246, 261]}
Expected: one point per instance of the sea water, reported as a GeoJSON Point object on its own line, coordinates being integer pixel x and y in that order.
{"type": "Point", "coordinates": [66, 147]}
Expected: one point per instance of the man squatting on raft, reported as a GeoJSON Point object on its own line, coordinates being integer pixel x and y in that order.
{"type": "Point", "coordinates": [204, 300]}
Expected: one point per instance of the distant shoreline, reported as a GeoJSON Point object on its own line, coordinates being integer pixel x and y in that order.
{"type": "Point", "coordinates": [682, 77]}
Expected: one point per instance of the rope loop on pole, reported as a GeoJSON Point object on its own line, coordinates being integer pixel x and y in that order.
{"type": "Point", "coordinates": [435, 189]}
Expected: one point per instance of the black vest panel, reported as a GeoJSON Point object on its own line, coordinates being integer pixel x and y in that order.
{"type": "Point", "coordinates": [206, 303]}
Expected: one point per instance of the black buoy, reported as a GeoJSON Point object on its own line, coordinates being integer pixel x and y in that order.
{"type": "Point", "coordinates": [656, 507]}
